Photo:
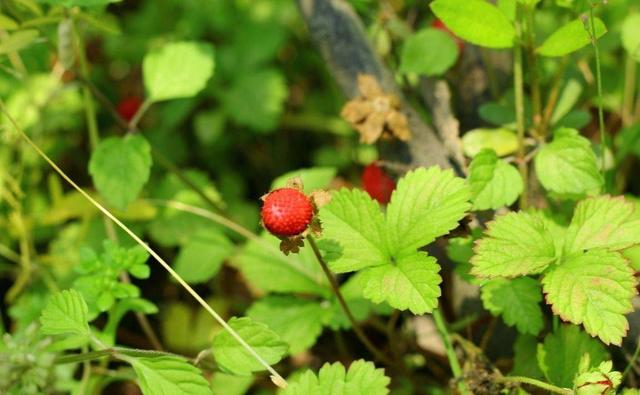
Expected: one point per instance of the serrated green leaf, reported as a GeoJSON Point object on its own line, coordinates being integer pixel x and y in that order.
{"type": "Point", "coordinates": [313, 178]}
{"type": "Point", "coordinates": [355, 221]}
{"type": "Point", "coordinates": [411, 283]}
{"type": "Point", "coordinates": [502, 141]}
{"type": "Point", "coordinates": [297, 321]}
{"type": "Point", "coordinates": [563, 351]}
{"type": "Point", "coordinates": [201, 257]}
{"type": "Point", "coordinates": [178, 70]}
{"type": "Point", "coordinates": [494, 183]}
{"type": "Point", "coordinates": [168, 375]}
{"type": "Point", "coordinates": [601, 380]}
{"type": "Point", "coordinates": [256, 99]}
{"type": "Point", "coordinates": [233, 358]}
{"type": "Point", "coordinates": [517, 301]}
{"type": "Point", "coordinates": [568, 165]}
{"type": "Point", "coordinates": [427, 203]}
{"type": "Point", "coordinates": [594, 289]}
{"type": "Point", "coordinates": [570, 38]}
{"type": "Point", "coordinates": [66, 313]}
{"type": "Point", "coordinates": [515, 244]}
{"type": "Point", "coordinates": [362, 378]}
{"type": "Point", "coordinates": [603, 222]}
{"type": "Point", "coordinates": [428, 52]}
{"type": "Point", "coordinates": [120, 167]}
{"type": "Point", "coordinates": [493, 29]}
{"type": "Point", "coordinates": [524, 361]}
{"type": "Point", "coordinates": [631, 35]}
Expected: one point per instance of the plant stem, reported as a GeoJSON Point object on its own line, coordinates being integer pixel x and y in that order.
{"type": "Point", "coordinates": [632, 360]}
{"type": "Point", "coordinates": [89, 105]}
{"type": "Point", "coordinates": [519, 103]}
{"type": "Point", "coordinates": [534, 382]}
{"type": "Point", "coordinates": [629, 90]}
{"type": "Point", "coordinates": [441, 325]}
{"type": "Point", "coordinates": [533, 69]}
{"type": "Point", "coordinates": [553, 97]}
{"type": "Point", "coordinates": [86, 373]}
{"type": "Point", "coordinates": [379, 355]}
{"type": "Point", "coordinates": [594, 42]}
{"type": "Point", "coordinates": [133, 124]}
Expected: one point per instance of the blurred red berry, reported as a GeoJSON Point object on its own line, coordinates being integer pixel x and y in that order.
{"type": "Point", "coordinates": [128, 107]}
{"type": "Point", "coordinates": [286, 212]}
{"type": "Point", "coordinates": [439, 25]}
{"type": "Point", "coordinates": [377, 183]}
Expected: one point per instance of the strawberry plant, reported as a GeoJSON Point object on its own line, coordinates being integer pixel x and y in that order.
{"type": "Point", "coordinates": [319, 197]}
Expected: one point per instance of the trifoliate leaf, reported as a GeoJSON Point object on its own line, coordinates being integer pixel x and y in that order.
{"type": "Point", "coordinates": [297, 321]}
{"type": "Point", "coordinates": [256, 99]}
{"type": "Point", "coordinates": [594, 289]}
{"type": "Point", "coordinates": [603, 222]}
{"type": "Point", "coordinates": [120, 167]}
{"type": "Point", "coordinates": [233, 358]}
{"type": "Point", "coordinates": [503, 141]}
{"type": "Point", "coordinates": [524, 361]}
{"type": "Point", "coordinates": [65, 313]}
{"type": "Point", "coordinates": [494, 183]}
{"type": "Point", "coordinates": [563, 351]}
{"type": "Point", "coordinates": [602, 380]}
{"type": "Point", "coordinates": [427, 203]}
{"type": "Point", "coordinates": [428, 52]}
{"type": "Point", "coordinates": [268, 269]}
{"type": "Point", "coordinates": [168, 375]}
{"type": "Point", "coordinates": [312, 178]}
{"type": "Point", "coordinates": [202, 256]}
{"type": "Point", "coordinates": [355, 221]}
{"type": "Point", "coordinates": [568, 165]}
{"type": "Point", "coordinates": [517, 300]}
{"type": "Point", "coordinates": [493, 29]}
{"type": "Point", "coordinates": [362, 378]}
{"type": "Point", "coordinates": [177, 70]}
{"type": "Point", "coordinates": [516, 244]}
{"type": "Point", "coordinates": [411, 283]}
{"type": "Point", "coordinates": [571, 37]}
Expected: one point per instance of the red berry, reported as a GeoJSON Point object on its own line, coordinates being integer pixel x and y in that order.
{"type": "Point", "coordinates": [128, 107]}
{"type": "Point", "coordinates": [377, 183]}
{"type": "Point", "coordinates": [439, 25]}
{"type": "Point", "coordinates": [286, 212]}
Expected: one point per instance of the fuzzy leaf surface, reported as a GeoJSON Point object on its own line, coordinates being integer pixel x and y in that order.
{"type": "Point", "coordinates": [65, 313]}
{"type": "Point", "coordinates": [517, 301]}
{"type": "Point", "coordinates": [169, 375]}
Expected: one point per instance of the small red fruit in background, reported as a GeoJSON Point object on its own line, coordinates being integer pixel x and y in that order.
{"type": "Point", "coordinates": [128, 107]}
{"type": "Point", "coordinates": [439, 25]}
{"type": "Point", "coordinates": [378, 184]}
{"type": "Point", "coordinates": [286, 212]}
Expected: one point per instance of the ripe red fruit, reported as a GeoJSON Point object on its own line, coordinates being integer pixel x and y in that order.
{"type": "Point", "coordinates": [286, 212]}
{"type": "Point", "coordinates": [128, 107]}
{"type": "Point", "coordinates": [439, 25]}
{"type": "Point", "coordinates": [377, 183]}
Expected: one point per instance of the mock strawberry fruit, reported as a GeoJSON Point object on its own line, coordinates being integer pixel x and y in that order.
{"type": "Point", "coordinates": [377, 183]}
{"type": "Point", "coordinates": [286, 212]}
{"type": "Point", "coordinates": [128, 107]}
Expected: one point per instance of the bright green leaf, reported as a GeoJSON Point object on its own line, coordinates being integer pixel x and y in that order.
{"type": "Point", "coordinates": [233, 358]}
{"type": "Point", "coordinates": [168, 375]}
{"type": "Point", "coordinates": [567, 100]}
{"type": "Point", "coordinates": [8, 23]}
{"type": "Point", "coordinates": [429, 52]}
{"type": "Point", "coordinates": [297, 321]}
{"type": "Point", "coordinates": [268, 269]}
{"type": "Point", "coordinates": [603, 222]}
{"type": "Point", "coordinates": [355, 221]}
{"type": "Point", "coordinates": [631, 35]}
{"type": "Point", "coordinates": [79, 3]}
{"type": "Point", "coordinates": [362, 378]}
{"type": "Point", "coordinates": [177, 70]}
{"type": "Point", "coordinates": [202, 256]}
{"type": "Point", "coordinates": [568, 165]}
{"type": "Point", "coordinates": [494, 183]}
{"type": "Point", "coordinates": [17, 41]}
{"type": "Point", "coordinates": [516, 244]}
{"type": "Point", "coordinates": [517, 301]}
{"type": "Point", "coordinates": [502, 141]}
{"type": "Point", "coordinates": [120, 167]}
{"type": "Point", "coordinates": [65, 313]}
{"type": "Point", "coordinates": [427, 203]}
{"type": "Point", "coordinates": [597, 381]}
{"type": "Point", "coordinates": [411, 283]}
{"type": "Point", "coordinates": [593, 289]}
{"type": "Point", "coordinates": [227, 384]}
{"type": "Point", "coordinates": [313, 178]}
{"type": "Point", "coordinates": [570, 38]}
{"type": "Point", "coordinates": [563, 350]}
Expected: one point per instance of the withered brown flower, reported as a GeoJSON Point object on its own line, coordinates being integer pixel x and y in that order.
{"type": "Point", "coordinates": [374, 113]}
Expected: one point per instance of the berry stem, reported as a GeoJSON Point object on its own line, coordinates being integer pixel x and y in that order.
{"type": "Point", "coordinates": [441, 326]}
{"type": "Point", "coordinates": [379, 355]}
